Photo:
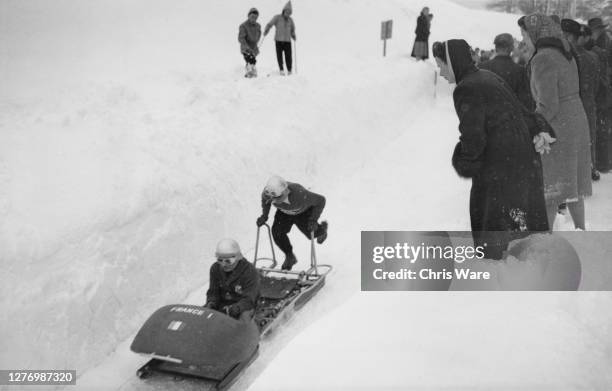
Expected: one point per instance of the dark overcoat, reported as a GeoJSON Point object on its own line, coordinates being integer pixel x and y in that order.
{"type": "Point", "coordinates": [240, 286]}
{"type": "Point", "coordinates": [514, 75]}
{"type": "Point", "coordinates": [420, 49]}
{"type": "Point", "coordinates": [496, 151]}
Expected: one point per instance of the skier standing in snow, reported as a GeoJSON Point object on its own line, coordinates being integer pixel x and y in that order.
{"type": "Point", "coordinates": [294, 205]}
{"type": "Point", "coordinates": [555, 89]}
{"type": "Point", "coordinates": [496, 150]}
{"type": "Point", "coordinates": [285, 32]}
{"type": "Point", "coordinates": [420, 50]}
{"type": "Point", "coordinates": [249, 33]}
{"type": "Point", "coordinates": [234, 282]}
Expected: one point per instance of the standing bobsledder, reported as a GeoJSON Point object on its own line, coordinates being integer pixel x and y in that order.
{"type": "Point", "coordinates": [294, 205]}
{"type": "Point", "coordinates": [285, 32]}
{"type": "Point", "coordinates": [249, 34]}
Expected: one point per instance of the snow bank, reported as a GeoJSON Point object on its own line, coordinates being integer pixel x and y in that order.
{"type": "Point", "coordinates": [131, 144]}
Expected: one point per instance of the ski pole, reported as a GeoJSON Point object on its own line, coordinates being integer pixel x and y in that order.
{"type": "Point", "coordinates": [295, 56]}
{"type": "Point", "coordinates": [261, 42]}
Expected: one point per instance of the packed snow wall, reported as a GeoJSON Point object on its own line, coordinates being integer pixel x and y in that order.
{"type": "Point", "coordinates": [131, 144]}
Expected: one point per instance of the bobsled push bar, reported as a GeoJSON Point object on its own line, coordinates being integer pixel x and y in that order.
{"type": "Point", "coordinates": [285, 291]}
{"type": "Point", "coordinates": [203, 343]}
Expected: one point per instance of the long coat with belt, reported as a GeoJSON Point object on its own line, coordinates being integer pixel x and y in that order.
{"type": "Point", "coordinates": [555, 89]}
{"type": "Point", "coordinates": [496, 151]}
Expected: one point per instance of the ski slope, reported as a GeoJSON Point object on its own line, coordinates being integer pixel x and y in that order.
{"type": "Point", "coordinates": [130, 143]}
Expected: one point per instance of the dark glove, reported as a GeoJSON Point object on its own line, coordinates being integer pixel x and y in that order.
{"type": "Point", "coordinates": [312, 225]}
{"type": "Point", "coordinates": [261, 220]}
{"type": "Point", "coordinates": [233, 310]}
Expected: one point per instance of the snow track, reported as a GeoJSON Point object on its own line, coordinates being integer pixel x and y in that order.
{"type": "Point", "coordinates": [130, 143]}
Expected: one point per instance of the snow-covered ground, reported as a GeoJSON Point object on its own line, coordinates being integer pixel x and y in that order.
{"type": "Point", "coordinates": [130, 143]}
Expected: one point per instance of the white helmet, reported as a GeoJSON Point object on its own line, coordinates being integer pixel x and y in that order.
{"type": "Point", "coordinates": [275, 186]}
{"type": "Point", "coordinates": [228, 248]}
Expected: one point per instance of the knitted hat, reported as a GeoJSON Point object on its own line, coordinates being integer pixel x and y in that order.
{"type": "Point", "coordinates": [253, 11]}
{"type": "Point", "coordinates": [288, 8]}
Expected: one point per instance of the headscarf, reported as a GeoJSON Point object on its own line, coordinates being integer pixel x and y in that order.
{"type": "Point", "coordinates": [544, 31]}
{"type": "Point", "coordinates": [459, 58]}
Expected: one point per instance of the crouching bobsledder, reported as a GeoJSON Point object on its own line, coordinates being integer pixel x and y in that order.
{"type": "Point", "coordinates": [294, 205]}
{"type": "Point", "coordinates": [496, 150]}
{"type": "Point", "coordinates": [234, 282]}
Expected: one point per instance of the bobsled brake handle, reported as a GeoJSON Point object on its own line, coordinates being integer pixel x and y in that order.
{"type": "Point", "coordinates": [273, 259]}
{"type": "Point", "coordinates": [313, 254]}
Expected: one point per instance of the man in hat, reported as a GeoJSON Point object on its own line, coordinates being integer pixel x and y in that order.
{"type": "Point", "coordinates": [285, 32]}
{"type": "Point", "coordinates": [588, 73]}
{"type": "Point", "coordinates": [249, 33]}
{"type": "Point", "coordinates": [234, 282]}
{"type": "Point", "coordinates": [513, 74]}
{"type": "Point", "coordinates": [294, 205]}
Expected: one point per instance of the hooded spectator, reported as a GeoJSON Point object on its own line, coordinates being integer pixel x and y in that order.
{"type": "Point", "coordinates": [420, 50]}
{"type": "Point", "coordinates": [555, 89]}
{"type": "Point", "coordinates": [513, 74]}
{"type": "Point", "coordinates": [285, 32]}
{"type": "Point", "coordinates": [496, 150]}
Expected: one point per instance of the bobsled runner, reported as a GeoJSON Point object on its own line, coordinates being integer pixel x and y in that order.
{"type": "Point", "coordinates": [194, 341]}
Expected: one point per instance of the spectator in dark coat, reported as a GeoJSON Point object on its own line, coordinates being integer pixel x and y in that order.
{"type": "Point", "coordinates": [588, 76]}
{"type": "Point", "coordinates": [249, 33]}
{"type": "Point", "coordinates": [234, 282]}
{"type": "Point", "coordinates": [555, 89]}
{"type": "Point", "coordinates": [420, 50]}
{"type": "Point", "coordinates": [603, 47]}
{"type": "Point", "coordinates": [496, 150]}
{"type": "Point", "coordinates": [513, 74]}
{"type": "Point", "coordinates": [294, 205]}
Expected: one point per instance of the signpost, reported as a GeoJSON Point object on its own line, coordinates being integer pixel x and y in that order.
{"type": "Point", "coordinates": [386, 31]}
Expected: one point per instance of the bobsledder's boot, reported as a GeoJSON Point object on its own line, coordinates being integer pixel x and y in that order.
{"type": "Point", "coordinates": [282, 73]}
{"type": "Point", "coordinates": [254, 71]}
{"type": "Point", "coordinates": [247, 70]}
{"type": "Point", "coordinates": [321, 238]}
{"type": "Point", "coordinates": [290, 260]}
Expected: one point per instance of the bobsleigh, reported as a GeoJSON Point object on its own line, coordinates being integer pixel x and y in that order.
{"type": "Point", "coordinates": [199, 342]}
